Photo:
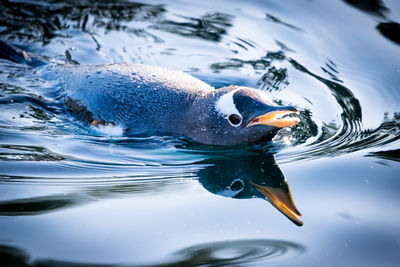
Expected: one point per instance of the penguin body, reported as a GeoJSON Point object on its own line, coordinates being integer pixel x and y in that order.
{"type": "Point", "coordinates": [150, 100]}
{"type": "Point", "coordinates": [141, 99]}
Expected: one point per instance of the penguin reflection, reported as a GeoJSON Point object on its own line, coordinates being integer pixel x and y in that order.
{"type": "Point", "coordinates": [248, 176]}
{"type": "Point", "coordinates": [239, 175]}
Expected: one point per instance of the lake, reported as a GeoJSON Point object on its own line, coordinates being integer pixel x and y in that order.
{"type": "Point", "coordinates": [73, 194]}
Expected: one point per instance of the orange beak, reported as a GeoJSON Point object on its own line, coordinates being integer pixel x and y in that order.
{"type": "Point", "coordinates": [274, 118]}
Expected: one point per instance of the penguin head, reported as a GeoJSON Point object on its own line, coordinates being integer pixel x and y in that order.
{"type": "Point", "coordinates": [238, 115]}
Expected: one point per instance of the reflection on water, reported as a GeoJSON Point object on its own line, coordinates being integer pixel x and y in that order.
{"type": "Point", "coordinates": [244, 176]}
{"type": "Point", "coordinates": [390, 30]}
{"type": "Point", "coordinates": [387, 28]}
{"type": "Point", "coordinates": [43, 21]}
{"type": "Point", "coordinates": [27, 153]}
{"type": "Point", "coordinates": [39, 205]}
{"type": "Point", "coordinates": [241, 176]}
{"type": "Point", "coordinates": [211, 26]}
{"type": "Point", "coordinates": [226, 253]}
{"type": "Point", "coordinates": [389, 154]}
{"type": "Point", "coordinates": [376, 7]}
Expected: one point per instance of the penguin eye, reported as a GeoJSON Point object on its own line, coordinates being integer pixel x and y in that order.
{"type": "Point", "coordinates": [235, 119]}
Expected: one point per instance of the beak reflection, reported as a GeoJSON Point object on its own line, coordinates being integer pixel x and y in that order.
{"type": "Point", "coordinates": [282, 200]}
{"type": "Point", "coordinates": [249, 176]}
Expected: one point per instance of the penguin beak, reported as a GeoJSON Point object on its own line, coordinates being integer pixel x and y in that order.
{"type": "Point", "coordinates": [274, 118]}
{"type": "Point", "coordinates": [281, 200]}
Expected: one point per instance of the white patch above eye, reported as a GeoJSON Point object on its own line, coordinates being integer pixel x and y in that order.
{"type": "Point", "coordinates": [226, 106]}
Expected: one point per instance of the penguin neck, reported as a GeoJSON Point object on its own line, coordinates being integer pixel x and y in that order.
{"type": "Point", "coordinates": [197, 120]}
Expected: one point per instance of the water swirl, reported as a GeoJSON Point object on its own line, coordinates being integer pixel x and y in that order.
{"type": "Point", "coordinates": [238, 252]}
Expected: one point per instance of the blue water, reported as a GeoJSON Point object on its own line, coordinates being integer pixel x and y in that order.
{"type": "Point", "coordinates": [73, 194]}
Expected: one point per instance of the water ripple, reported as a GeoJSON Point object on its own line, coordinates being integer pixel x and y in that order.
{"type": "Point", "coordinates": [238, 252]}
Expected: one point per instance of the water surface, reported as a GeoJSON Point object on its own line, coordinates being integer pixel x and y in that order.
{"type": "Point", "coordinates": [72, 194]}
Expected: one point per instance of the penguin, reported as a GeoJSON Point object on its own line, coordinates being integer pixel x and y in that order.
{"type": "Point", "coordinates": [151, 100]}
